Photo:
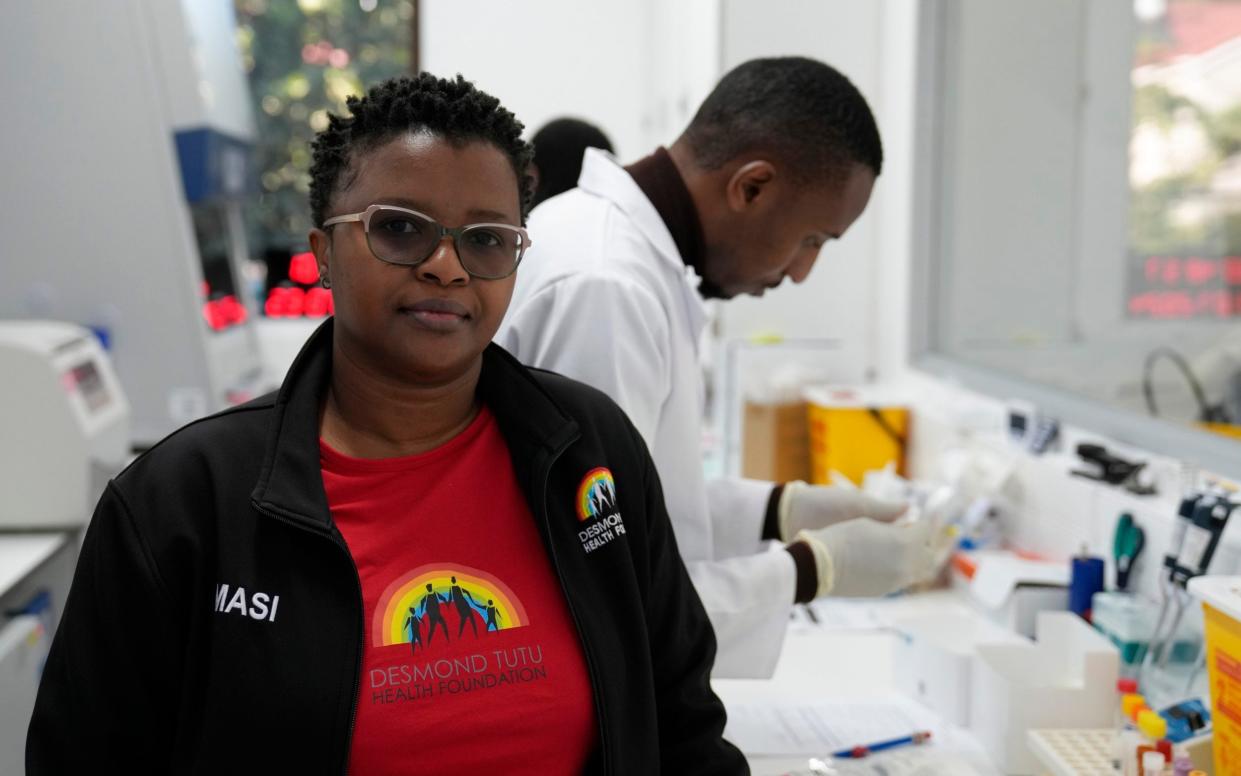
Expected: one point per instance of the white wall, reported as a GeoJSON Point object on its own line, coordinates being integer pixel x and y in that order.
{"type": "Point", "coordinates": [634, 68]}
{"type": "Point", "coordinates": [838, 300]}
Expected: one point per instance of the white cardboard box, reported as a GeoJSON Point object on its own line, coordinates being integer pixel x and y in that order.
{"type": "Point", "coordinates": [1066, 679]}
{"type": "Point", "coordinates": [935, 656]}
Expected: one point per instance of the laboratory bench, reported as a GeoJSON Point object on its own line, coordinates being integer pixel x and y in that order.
{"type": "Point", "coordinates": [840, 669]}
{"type": "Point", "coordinates": [35, 573]}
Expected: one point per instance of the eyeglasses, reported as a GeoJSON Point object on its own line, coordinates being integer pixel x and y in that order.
{"type": "Point", "coordinates": [397, 235]}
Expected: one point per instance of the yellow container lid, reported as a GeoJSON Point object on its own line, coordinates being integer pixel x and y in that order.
{"type": "Point", "coordinates": [1152, 725]}
{"type": "Point", "coordinates": [1131, 703]}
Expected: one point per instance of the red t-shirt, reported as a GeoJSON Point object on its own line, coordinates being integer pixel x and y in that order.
{"type": "Point", "coordinates": [483, 674]}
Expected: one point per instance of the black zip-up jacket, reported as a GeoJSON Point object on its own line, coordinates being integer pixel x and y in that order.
{"type": "Point", "coordinates": [146, 676]}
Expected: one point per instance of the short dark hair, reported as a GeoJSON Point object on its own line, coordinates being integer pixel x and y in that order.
{"type": "Point", "coordinates": [802, 110]}
{"type": "Point", "coordinates": [558, 149]}
{"type": "Point", "coordinates": [454, 110]}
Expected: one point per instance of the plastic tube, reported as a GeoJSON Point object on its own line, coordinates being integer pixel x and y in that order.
{"type": "Point", "coordinates": [1153, 763]}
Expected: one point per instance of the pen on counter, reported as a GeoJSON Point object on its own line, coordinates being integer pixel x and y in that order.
{"type": "Point", "coordinates": [860, 751]}
{"type": "Point", "coordinates": [810, 613]}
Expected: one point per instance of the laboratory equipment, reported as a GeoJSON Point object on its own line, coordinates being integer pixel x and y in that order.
{"type": "Point", "coordinates": [1127, 544]}
{"type": "Point", "coordinates": [1201, 519]}
{"type": "Point", "coordinates": [66, 429]}
{"type": "Point", "coordinates": [1186, 719]}
{"type": "Point", "coordinates": [35, 573]}
{"type": "Point", "coordinates": [1030, 429]}
{"type": "Point", "coordinates": [1085, 752]}
{"type": "Point", "coordinates": [1129, 620]}
{"type": "Point", "coordinates": [1085, 579]}
{"type": "Point", "coordinates": [1066, 679]}
{"type": "Point", "coordinates": [23, 647]}
{"type": "Point", "coordinates": [1110, 468]}
{"type": "Point", "coordinates": [123, 192]}
{"type": "Point", "coordinates": [65, 421]}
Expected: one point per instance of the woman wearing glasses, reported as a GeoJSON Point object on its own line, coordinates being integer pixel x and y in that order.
{"type": "Point", "coordinates": [296, 585]}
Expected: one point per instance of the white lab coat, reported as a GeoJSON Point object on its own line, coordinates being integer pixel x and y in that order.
{"type": "Point", "coordinates": [603, 296]}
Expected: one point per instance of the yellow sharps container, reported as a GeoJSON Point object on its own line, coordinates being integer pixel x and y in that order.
{"type": "Point", "coordinates": [855, 430]}
{"type": "Point", "coordinates": [1221, 609]}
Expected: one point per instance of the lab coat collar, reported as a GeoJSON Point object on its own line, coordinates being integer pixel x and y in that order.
{"type": "Point", "coordinates": [290, 483]}
{"type": "Point", "coordinates": [603, 176]}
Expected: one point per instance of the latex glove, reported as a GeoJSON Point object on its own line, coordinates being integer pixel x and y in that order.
{"type": "Point", "coordinates": [864, 557]}
{"type": "Point", "coordinates": [808, 507]}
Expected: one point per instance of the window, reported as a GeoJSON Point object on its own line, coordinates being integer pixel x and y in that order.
{"type": "Point", "coordinates": [1085, 216]}
{"type": "Point", "coordinates": [304, 59]}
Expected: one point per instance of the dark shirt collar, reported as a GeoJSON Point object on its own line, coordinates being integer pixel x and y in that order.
{"type": "Point", "coordinates": [661, 182]}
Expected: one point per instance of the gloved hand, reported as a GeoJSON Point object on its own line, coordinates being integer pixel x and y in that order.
{"type": "Point", "coordinates": [865, 557]}
{"type": "Point", "coordinates": [808, 507]}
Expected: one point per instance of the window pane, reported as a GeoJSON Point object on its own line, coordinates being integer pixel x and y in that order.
{"type": "Point", "coordinates": [304, 58]}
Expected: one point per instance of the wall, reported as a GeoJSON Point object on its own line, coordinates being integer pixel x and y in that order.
{"type": "Point", "coordinates": [837, 300]}
{"type": "Point", "coordinates": [635, 69]}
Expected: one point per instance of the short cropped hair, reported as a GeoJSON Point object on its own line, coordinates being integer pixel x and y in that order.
{"type": "Point", "coordinates": [558, 150]}
{"type": "Point", "coordinates": [803, 111]}
{"type": "Point", "coordinates": [452, 109]}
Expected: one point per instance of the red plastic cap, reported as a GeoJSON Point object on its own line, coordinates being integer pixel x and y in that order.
{"type": "Point", "coordinates": [1125, 686]}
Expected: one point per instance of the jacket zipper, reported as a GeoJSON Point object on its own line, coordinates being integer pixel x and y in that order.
{"type": "Point", "coordinates": [357, 579]}
{"type": "Point", "coordinates": [596, 685]}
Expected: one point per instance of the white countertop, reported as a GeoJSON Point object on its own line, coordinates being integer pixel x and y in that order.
{"type": "Point", "coordinates": [20, 554]}
{"type": "Point", "coordinates": [823, 664]}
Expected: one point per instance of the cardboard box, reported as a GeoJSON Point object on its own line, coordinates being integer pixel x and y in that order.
{"type": "Point", "coordinates": [775, 442]}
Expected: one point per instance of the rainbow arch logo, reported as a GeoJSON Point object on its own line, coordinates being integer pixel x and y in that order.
{"type": "Point", "coordinates": [392, 609]}
{"type": "Point", "coordinates": [597, 494]}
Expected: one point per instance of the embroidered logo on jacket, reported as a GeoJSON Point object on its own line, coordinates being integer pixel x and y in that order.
{"type": "Point", "coordinates": [256, 606]}
{"type": "Point", "coordinates": [597, 510]}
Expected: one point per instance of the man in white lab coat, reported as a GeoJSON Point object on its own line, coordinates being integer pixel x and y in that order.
{"type": "Point", "coordinates": [779, 160]}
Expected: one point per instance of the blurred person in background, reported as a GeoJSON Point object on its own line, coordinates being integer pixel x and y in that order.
{"type": "Point", "coordinates": [558, 150]}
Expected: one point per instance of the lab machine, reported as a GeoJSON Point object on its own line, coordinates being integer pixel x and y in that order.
{"type": "Point", "coordinates": [126, 174]}
{"type": "Point", "coordinates": [66, 430]}
{"type": "Point", "coordinates": [65, 421]}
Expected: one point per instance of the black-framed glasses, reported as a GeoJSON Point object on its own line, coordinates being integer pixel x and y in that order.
{"type": "Point", "coordinates": [398, 235]}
